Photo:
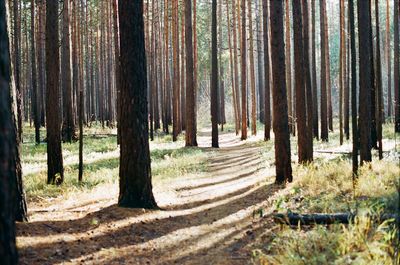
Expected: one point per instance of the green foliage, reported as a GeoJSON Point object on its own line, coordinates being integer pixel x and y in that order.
{"type": "Point", "coordinates": [328, 187]}
{"type": "Point", "coordinates": [101, 163]}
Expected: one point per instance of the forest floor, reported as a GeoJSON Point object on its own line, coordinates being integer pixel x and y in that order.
{"type": "Point", "coordinates": [215, 206]}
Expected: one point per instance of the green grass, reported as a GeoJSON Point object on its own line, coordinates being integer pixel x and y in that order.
{"type": "Point", "coordinates": [328, 187]}
{"type": "Point", "coordinates": [101, 162]}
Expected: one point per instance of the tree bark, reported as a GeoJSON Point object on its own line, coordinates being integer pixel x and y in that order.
{"type": "Point", "coordinates": [280, 112]}
{"type": "Point", "coordinates": [55, 173]}
{"type": "Point", "coordinates": [214, 76]}
{"type": "Point", "coordinates": [324, 102]}
{"type": "Point", "coordinates": [314, 72]}
{"type": "Point", "coordinates": [396, 81]}
{"type": "Point", "coordinates": [364, 25]}
{"type": "Point", "coordinates": [135, 171]}
{"type": "Point", "coordinates": [354, 125]}
{"type": "Point", "coordinates": [191, 139]}
{"type": "Point", "coordinates": [378, 83]}
{"type": "Point", "coordinates": [243, 77]}
{"type": "Point", "coordinates": [267, 96]}
{"type": "Point", "coordinates": [8, 142]}
{"type": "Point", "coordinates": [252, 78]}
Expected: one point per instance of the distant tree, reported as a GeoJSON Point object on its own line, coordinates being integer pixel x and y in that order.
{"type": "Point", "coordinates": [191, 139]}
{"type": "Point", "coordinates": [68, 126]}
{"type": "Point", "coordinates": [252, 78]}
{"type": "Point", "coordinates": [364, 25]}
{"type": "Point", "coordinates": [267, 95]}
{"type": "Point", "coordinates": [55, 173]}
{"type": "Point", "coordinates": [176, 81]}
{"type": "Point", "coordinates": [378, 83]}
{"type": "Point", "coordinates": [214, 76]}
{"type": "Point", "coordinates": [243, 77]}
{"type": "Point", "coordinates": [280, 108]}
{"type": "Point", "coordinates": [353, 75]}
{"type": "Point", "coordinates": [8, 142]}
{"type": "Point", "coordinates": [17, 64]}
{"type": "Point", "coordinates": [35, 94]}
{"type": "Point", "coordinates": [314, 72]}
{"type": "Point", "coordinates": [135, 172]}
{"type": "Point", "coordinates": [388, 61]}
{"type": "Point", "coordinates": [324, 85]}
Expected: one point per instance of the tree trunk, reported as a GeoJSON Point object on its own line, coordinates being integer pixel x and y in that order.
{"type": "Point", "coordinates": [252, 73]}
{"type": "Point", "coordinates": [243, 70]}
{"type": "Point", "coordinates": [364, 25]}
{"type": "Point", "coordinates": [396, 84]}
{"type": "Point", "coordinates": [354, 125]}
{"type": "Point", "coordinates": [280, 120]}
{"type": "Point", "coordinates": [8, 143]}
{"type": "Point", "coordinates": [341, 69]}
{"type": "Point", "coordinates": [68, 126]}
{"type": "Point", "coordinates": [324, 103]}
{"type": "Point", "coordinates": [300, 82]}
{"type": "Point", "coordinates": [378, 84]}
{"type": "Point", "coordinates": [135, 172]}
{"type": "Point", "coordinates": [191, 139]}
{"type": "Point", "coordinates": [55, 174]}
{"type": "Point", "coordinates": [307, 76]}
{"type": "Point", "coordinates": [388, 62]}
{"type": "Point", "coordinates": [314, 73]}
{"type": "Point", "coordinates": [236, 63]}
{"type": "Point", "coordinates": [267, 96]}
{"type": "Point", "coordinates": [176, 82]}
{"type": "Point", "coordinates": [17, 66]}
{"type": "Point", "coordinates": [35, 102]}
{"type": "Point", "coordinates": [214, 76]}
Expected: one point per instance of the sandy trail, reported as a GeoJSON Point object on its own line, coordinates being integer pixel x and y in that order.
{"type": "Point", "coordinates": [204, 220]}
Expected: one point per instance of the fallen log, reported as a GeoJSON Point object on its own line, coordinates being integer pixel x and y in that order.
{"type": "Point", "coordinates": [322, 218]}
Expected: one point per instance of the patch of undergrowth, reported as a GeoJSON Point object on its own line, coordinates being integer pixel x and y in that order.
{"type": "Point", "coordinates": [101, 162]}
{"type": "Point", "coordinates": [327, 187]}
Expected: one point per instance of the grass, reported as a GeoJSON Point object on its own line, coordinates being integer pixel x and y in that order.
{"type": "Point", "coordinates": [101, 162]}
{"type": "Point", "coordinates": [328, 187]}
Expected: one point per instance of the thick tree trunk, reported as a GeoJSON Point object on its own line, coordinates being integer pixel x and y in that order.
{"type": "Point", "coordinates": [191, 139]}
{"type": "Point", "coordinates": [55, 173]}
{"type": "Point", "coordinates": [280, 120]}
{"type": "Point", "coordinates": [8, 142]}
{"type": "Point", "coordinates": [364, 25]}
{"type": "Point", "coordinates": [135, 172]}
{"type": "Point", "coordinates": [300, 82]}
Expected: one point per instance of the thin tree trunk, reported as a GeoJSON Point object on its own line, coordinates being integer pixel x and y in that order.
{"type": "Point", "coordinates": [35, 103]}
{"type": "Point", "coordinates": [378, 83]}
{"type": "Point", "coordinates": [396, 84]}
{"type": "Point", "coordinates": [267, 96]}
{"type": "Point", "coordinates": [214, 76]}
{"type": "Point", "coordinates": [243, 70]}
{"type": "Point", "coordinates": [236, 63]}
{"type": "Point", "coordinates": [388, 62]}
{"type": "Point", "coordinates": [341, 69]}
{"type": "Point", "coordinates": [314, 72]}
{"type": "Point", "coordinates": [324, 103]}
{"type": "Point", "coordinates": [252, 73]}
{"type": "Point", "coordinates": [354, 125]}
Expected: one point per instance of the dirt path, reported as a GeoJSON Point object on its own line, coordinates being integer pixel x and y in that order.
{"type": "Point", "coordinates": [205, 220]}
